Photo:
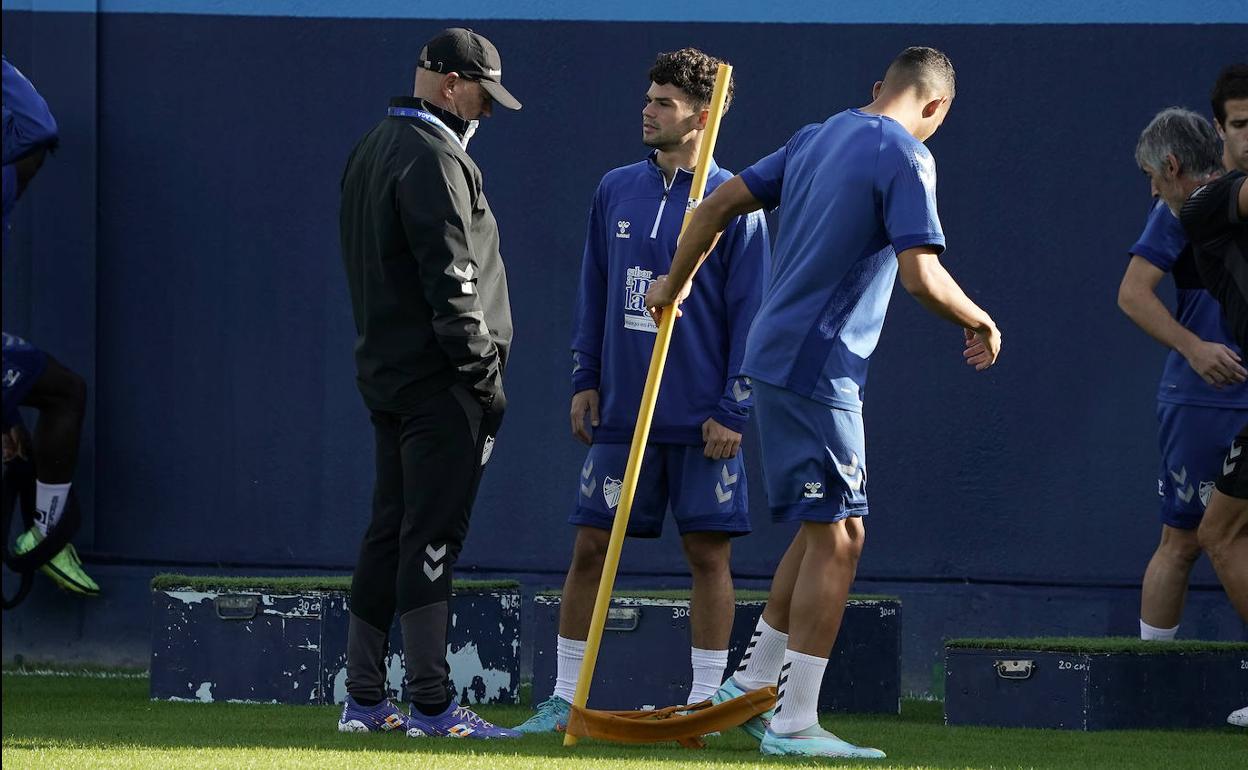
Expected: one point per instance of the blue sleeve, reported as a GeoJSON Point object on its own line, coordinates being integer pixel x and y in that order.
{"type": "Point", "coordinates": [1163, 238]}
{"type": "Point", "coordinates": [591, 301]}
{"type": "Point", "coordinates": [766, 177]}
{"type": "Point", "coordinates": [10, 189]}
{"type": "Point", "coordinates": [908, 187]}
{"type": "Point", "coordinates": [747, 250]}
{"type": "Point", "coordinates": [28, 123]}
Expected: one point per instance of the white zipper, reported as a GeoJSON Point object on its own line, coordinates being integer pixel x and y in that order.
{"type": "Point", "coordinates": [667, 188]}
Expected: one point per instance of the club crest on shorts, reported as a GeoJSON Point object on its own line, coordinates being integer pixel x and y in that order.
{"type": "Point", "coordinates": [1206, 492]}
{"type": "Point", "coordinates": [611, 490]}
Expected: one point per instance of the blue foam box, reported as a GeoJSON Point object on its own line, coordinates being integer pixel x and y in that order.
{"type": "Point", "coordinates": [644, 658]}
{"type": "Point", "coordinates": [1094, 684]}
{"type": "Point", "coordinates": [267, 643]}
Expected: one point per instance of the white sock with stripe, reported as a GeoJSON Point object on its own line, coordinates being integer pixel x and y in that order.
{"type": "Point", "coordinates": [708, 673]}
{"type": "Point", "coordinates": [568, 656]}
{"type": "Point", "coordinates": [760, 665]}
{"type": "Point", "coordinates": [49, 505]}
{"type": "Point", "coordinates": [797, 707]}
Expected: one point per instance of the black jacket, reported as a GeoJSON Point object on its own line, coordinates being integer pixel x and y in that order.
{"type": "Point", "coordinates": [428, 287]}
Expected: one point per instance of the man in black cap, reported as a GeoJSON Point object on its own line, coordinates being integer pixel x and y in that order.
{"type": "Point", "coordinates": [433, 322]}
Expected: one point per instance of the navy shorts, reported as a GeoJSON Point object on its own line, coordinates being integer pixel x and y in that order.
{"type": "Point", "coordinates": [24, 364]}
{"type": "Point", "coordinates": [1194, 442]}
{"type": "Point", "coordinates": [814, 457]}
{"type": "Point", "coordinates": [704, 495]}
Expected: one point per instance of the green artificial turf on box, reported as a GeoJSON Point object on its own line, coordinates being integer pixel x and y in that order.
{"type": "Point", "coordinates": [1097, 645]}
{"type": "Point", "coordinates": [679, 594]}
{"type": "Point", "coordinates": [293, 585]}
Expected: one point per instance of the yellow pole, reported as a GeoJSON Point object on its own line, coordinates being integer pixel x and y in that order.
{"type": "Point", "coordinates": [649, 397]}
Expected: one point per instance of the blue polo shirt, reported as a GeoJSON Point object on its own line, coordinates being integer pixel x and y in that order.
{"type": "Point", "coordinates": [853, 191]}
{"type": "Point", "coordinates": [1164, 244]}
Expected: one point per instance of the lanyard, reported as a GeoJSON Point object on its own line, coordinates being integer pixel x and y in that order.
{"type": "Point", "coordinates": [428, 117]}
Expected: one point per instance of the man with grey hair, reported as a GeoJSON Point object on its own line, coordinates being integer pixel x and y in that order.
{"type": "Point", "coordinates": [1202, 400]}
{"type": "Point", "coordinates": [1179, 153]}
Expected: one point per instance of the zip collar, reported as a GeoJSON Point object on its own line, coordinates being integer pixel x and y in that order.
{"type": "Point", "coordinates": [677, 177]}
{"type": "Point", "coordinates": [449, 121]}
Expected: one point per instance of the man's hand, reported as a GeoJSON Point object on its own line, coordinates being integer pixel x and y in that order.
{"type": "Point", "coordinates": [660, 296]}
{"type": "Point", "coordinates": [982, 347]}
{"type": "Point", "coordinates": [584, 401]}
{"type": "Point", "coordinates": [16, 444]}
{"type": "Point", "coordinates": [721, 442]}
{"type": "Point", "coordinates": [1216, 363]}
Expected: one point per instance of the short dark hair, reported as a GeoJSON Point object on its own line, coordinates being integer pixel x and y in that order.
{"type": "Point", "coordinates": [1232, 83]}
{"type": "Point", "coordinates": [927, 69]}
{"type": "Point", "coordinates": [693, 72]}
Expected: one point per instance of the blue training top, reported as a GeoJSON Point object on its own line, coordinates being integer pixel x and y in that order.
{"type": "Point", "coordinates": [1164, 244]}
{"type": "Point", "coordinates": [633, 226]}
{"type": "Point", "coordinates": [28, 124]}
{"type": "Point", "coordinates": [853, 192]}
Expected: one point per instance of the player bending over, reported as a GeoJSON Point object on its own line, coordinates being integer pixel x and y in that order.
{"type": "Point", "coordinates": [32, 378]}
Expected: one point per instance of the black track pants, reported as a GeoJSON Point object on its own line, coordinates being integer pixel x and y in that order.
{"type": "Point", "coordinates": [428, 469]}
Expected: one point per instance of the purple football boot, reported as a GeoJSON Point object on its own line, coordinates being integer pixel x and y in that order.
{"type": "Point", "coordinates": [381, 718]}
{"type": "Point", "coordinates": [455, 722]}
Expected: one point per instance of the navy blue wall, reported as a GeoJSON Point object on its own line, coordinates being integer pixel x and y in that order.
{"type": "Point", "coordinates": [191, 220]}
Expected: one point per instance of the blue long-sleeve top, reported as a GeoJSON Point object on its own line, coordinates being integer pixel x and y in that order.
{"type": "Point", "coordinates": [28, 125]}
{"type": "Point", "coordinates": [633, 227]}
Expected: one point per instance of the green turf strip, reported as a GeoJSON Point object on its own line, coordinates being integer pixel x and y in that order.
{"type": "Point", "coordinates": [52, 722]}
{"type": "Point", "coordinates": [683, 595]}
{"type": "Point", "coordinates": [1097, 645]}
{"type": "Point", "coordinates": [294, 585]}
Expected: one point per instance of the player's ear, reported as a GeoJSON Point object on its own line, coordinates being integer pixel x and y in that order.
{"type": "Point", "coordinates": [704, 115]}
{"type": "Point", "coordinates": [875, 89]}
{"type": "Point", "coordinates": [1172, 166]}
{"type": "Point", "coordinates": [932, 107]}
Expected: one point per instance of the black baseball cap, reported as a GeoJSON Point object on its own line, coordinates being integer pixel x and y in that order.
{"type": "Point", "coordinates": [473, 57]}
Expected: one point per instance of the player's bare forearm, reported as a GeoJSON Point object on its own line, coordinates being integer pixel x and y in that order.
{"type": "Point", "coordinates": [698, 239]}
{"type": "Point", "coordinates": [927, 281]}
{"type": "Point", "coordinates": [731, 199]}
{"type": "Point", "coordinates": [1146, 310]}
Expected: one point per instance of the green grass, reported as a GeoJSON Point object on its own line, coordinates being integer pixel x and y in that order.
{"type": "Point", "coordinates": [682, 594]}
{"type": "Point", "coordinates": [65, 721]}
{"type": "Point", "coordinates": [294, 585]}
{"type": "Point", "coordinates": [1098, 645]}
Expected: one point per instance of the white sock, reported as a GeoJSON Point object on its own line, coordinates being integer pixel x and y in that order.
{"type": "Point", "coordinates": [798, 705]}
{"type": "Point", "coordinates": [569, 653]}
{"type": "Point", "coordinates": [1153, 634]}
{"type": "Point", "coordinates": [760, 665]}
{"type": "Point", "coordinates": [708, 673]}
{"type": "Point", "coordinates": [49, 505]}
